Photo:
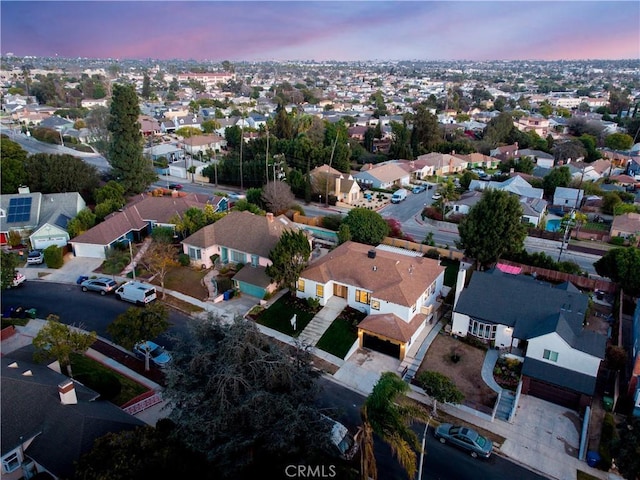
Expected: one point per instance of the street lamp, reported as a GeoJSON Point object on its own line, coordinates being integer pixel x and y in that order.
{"type": "Point", "coordinates": [131, 257]}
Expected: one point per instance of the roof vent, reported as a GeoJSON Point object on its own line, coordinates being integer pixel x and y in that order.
{"type": "Point", "coordinates": [375, 269]}
{"type": "Point", "coordinates": [371, 253]}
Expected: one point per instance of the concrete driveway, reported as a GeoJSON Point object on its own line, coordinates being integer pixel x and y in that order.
{"type": "Point", "coordinates": [69, 272]}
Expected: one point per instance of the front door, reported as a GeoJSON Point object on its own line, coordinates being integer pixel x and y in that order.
{"type": "Point", "coordinates": [340, 290]}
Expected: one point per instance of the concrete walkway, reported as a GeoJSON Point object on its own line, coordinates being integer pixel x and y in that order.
{"type": "Point", "coordinates": [322, 320]}
{"type": "Point", "coordinates": [413, 359]}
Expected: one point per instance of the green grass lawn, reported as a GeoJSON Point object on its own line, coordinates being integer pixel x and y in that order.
{"type": "Point", "coordinates": [82, 365]}
{"type": "Point", "coordinates": [338, 338]}
{"type": "Point", "coordinates": [278, 316]}
{"type": "Point", "coordinates": [451, 271]}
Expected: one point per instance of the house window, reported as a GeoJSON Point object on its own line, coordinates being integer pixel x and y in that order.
{"type": "Point", "coordinates": [550, 355]}
{"type": "Point", "coordinates": [195, 253]}
{"type": "Point", "coordinates": [300, 285]}
{"type": "Point", "coordinates": [362, 296]}
{"type": "Point", "coordinates": [11, 462]}
{"type": "Point", "coordinates": [482, 330]}
{"type": "Point", "coordinates": [319, 290]}
{"type": "Point", "coordinates": [375, 304]}
{"type": "Point", "coordinates": [238, 257]}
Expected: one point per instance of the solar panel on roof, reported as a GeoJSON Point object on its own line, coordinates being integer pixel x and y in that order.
{"type": "Point", "coordinates": [19, 210]}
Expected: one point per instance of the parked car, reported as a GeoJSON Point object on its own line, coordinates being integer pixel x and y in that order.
{"type": "Point", "coordinates": [175, 186]}
{"type": "Point", "coordinates": [18, 280]}
{"type": "Point", "coordinates": [419, 189]}
{"type": "Point", "coordinates": [436, 196]}
{"type": "Point", "coordinates": [35, 257]}
{"type": "Point", "coordinates": [465, 438]}
{"type": "Point", "coordinates": [103, 285]}
{"type": "Point", "coordinates": [158, 355]}
{"type": "Point", "coordinates": [235, 196]}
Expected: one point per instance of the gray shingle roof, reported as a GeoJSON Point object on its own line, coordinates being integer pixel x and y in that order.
{"type": "Point", "coordinates": [559, 376]}
{"type": "Point", "coordinates": [532, 307]}
{"type": "Point", "coordinates": [31, 406]}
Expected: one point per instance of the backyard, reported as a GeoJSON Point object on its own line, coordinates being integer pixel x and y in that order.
{"type": "Point", "coordinates": [465, 372]}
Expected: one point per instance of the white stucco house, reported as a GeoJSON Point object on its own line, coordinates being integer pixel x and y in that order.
{"type": "Point", "coordinates": [543, 323]}
{"type": "Point", "coordinates": [398, 292]}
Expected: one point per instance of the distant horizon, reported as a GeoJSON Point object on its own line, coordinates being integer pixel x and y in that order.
{"type": "Point", "coordinates": [323, 31]}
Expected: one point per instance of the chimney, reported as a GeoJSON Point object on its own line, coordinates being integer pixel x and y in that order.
{"type": "Point", "coordinates": [338, 185]}
{"type": "Point", "coordinates": [23, 189]}
{"type": "Point", "coordinates": [270, 217]}
{"type": "Point", "coordinates": [371, 253]}
{"type": "Point", "coordinates": [67, 393]}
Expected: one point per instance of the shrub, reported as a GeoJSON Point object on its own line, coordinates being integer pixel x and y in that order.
{"type": "Point", "coordinates": [184, 260]}
{"type": "Point", "coordinates": [432, 253]}
{"type": "Point", "coordinates": [617, 241]}
{"type": "Point", "coordinates": [608, 440]}
{"type": "Point", "coordinates": [331, 222]}
{"type": "Point", "coordinates": [53, 256]}
{"type": "Point", "coordinates": [313, 302]}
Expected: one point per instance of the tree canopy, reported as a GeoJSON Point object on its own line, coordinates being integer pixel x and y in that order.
{"type": "Point", "coordinates": [47, 173]}
{"type": "Point", "coordinates": [289, 257]}
{"type": "Point", "coordinates": [7, 268]}
{"type": "Point", "coordinates": [12, 160]}
{"type": "Point", "coordinates": [242, 400]}
{"type": "Point", "coordinates": [366, 226]}
{"type": "Point", "coordinates": [621, 265]}
{"type": "Point", "coordinates": [129, 166]}
{"type": "Point", "coordinates": [493, 227]}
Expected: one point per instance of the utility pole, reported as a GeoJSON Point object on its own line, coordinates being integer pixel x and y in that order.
{"type": "Point", "coordinates": [424, 438]}
{"type": "Point", "coordinates": [333, 150]}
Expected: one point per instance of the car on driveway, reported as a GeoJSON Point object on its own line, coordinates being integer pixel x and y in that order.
{"type": "Point", "coordinates": [158, 355]}
{"type": "Point", "coordinates": [464, 438]}
{"type": "Point", "coordinates": [35, 257]}
{"type": "Point", "coordinates": [103, 285]}
{"type": "Point", "coordinates": [175, 186]}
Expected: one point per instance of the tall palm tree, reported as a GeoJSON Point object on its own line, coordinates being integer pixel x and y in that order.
{"type": "Point", "coordinates": [368, 468]}
{"type": "Point", "coordinates": [388, 414]}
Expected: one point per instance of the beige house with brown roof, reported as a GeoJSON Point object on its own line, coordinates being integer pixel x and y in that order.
{"type": "Point", "coordinates": [240, 238]}
{"type": "Point", "coordinates": [442, 163]}
{"type": "Point", "coordinates": [398, 292]}
{"type": "Point", "coordinates": [326, 180]}
{"type": "Point", "coordinates": [626, 226]}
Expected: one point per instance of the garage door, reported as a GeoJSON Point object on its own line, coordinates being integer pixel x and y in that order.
{"type": "Point", "coordinates": [252, 290]}
{"type": "Point", "coordinates": [554, 394]}
{"type": "Point", "coordinates": [88, 250]}
{"type": "Point", "coordinates": [379, 345]}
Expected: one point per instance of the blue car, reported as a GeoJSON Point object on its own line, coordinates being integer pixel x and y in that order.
{"type": "Point", "coordinates": [158, 355]}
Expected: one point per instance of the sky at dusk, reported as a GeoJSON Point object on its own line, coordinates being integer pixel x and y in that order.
{"type": "Point", "coordinates": [325, 30]}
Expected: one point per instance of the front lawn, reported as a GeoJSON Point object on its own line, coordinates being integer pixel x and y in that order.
{"type": "Point", "coordinates": [185, 280]}
{"type": "Point", "coordinates": [100, 378]}
{"type": "Point", "coordinates": [278, 316]}
{"type": "Point", "coordinates": [338, 338]}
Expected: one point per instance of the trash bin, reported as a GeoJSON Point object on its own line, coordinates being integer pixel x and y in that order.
{"type": "Point", "coordinates": [8, 312]}
{"type": "Point", "coordinates": [593, 458]}
{"type": "Point", "coordinates": [81, 279]}
{"type": "Point", "coordinates": [608, 403]}
{"type": "Point", "coordinates": [31, 313]}
{"type": "Point", "coordinates": [227, 295]}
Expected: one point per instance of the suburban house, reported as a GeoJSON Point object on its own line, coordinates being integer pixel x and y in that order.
{"type": "Point", "coordinates": [199, 144]}
{"type": "Point", "coordinates": [505, 153]}
{"type": "Point", "coordinates": [49, 420]}
{"type": "Point", "coordinates": [626, 226]}
{"type": "Point", "coordinates": [398, 291]}
{"type": "Point", "coordinates": [382, 175]}
{"type": "Point", "coordinates": [443, 163]}
{"type": "Point", "coordinates": [329, 181]}
{"type": "Point", "coordinates": [515, 184]}
{"type": "Point", "coordinates": [567, 198]}
{"type": "Point", "coordinates": [533, 209]}
{"type": "Point", "coordinates": [137, 219]}
{"type": "Point", "coordinates": [478, 160]}
{"type": "Point", "coordinates": [542, 323]}
{"type": "Point", "coordinates": [42, 216]}
{"type": "Point", "coordinates": [240, 238]}
{"type": "Point", "coordinates": [533, 123]}
{"type": "Point", "coordinates": [540, 158]}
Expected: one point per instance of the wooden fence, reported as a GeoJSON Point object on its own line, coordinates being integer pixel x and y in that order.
{"type": "Point", "coordinates": [422, 248]}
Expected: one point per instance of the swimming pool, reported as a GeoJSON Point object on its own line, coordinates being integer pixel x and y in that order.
{"type": "Point", "coordinates": [553, 225]}
{"type": "Point", "coordinates": [321, 233]}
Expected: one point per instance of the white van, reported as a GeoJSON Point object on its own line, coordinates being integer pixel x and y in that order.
{"type": "Point", "coordinates": [136, 292]}
{"type": "Point", "coordinates": [399, 195]}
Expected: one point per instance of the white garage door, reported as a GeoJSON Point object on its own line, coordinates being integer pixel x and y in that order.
{"type": "Point", "coordinates": [88, 250]}
{"type": "Point", "coordinates": [42, 243]}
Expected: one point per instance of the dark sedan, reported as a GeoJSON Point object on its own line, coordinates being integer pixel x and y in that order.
{"type": "Point", "coordinates": [465, 438]}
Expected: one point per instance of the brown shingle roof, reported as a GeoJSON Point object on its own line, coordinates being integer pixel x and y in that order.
{"type": "Point", "coordinates": [627, 223]}
{"type": "Point", "coordinates": [114, 226]}
{"type": "Point", "coordinates": [391, 326]}
{"type": "Point", "coordinates": [161, 209]}
{"type": "Point", "coordinates": [397, 278]}
{"type": "Point", "coordinates": [243, 231]}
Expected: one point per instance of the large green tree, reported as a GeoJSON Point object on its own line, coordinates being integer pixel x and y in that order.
{"type": "Point", "coordinates": [9, 262]}
{"type": "Point", "coordinates": [439, 387]}
{"type": "Point", "coordinates": [389, 414]}
{"type": "Point", "coordinates": [366, 226]}
{"type": "Point", "coordinates": [558, 177]}
{"type": "Point", "coordinates": [145, 452]}
{"type": "Point", "coordinates": [48, 173]}
{"type": "Point", "coordinates": [289, 257]}
{"type": "Point", "coordinates": [59, 341]}
{"type": "Point", "coordinates": [12, 171]}
{"type": "Point", "coordinates": [129, 166]}
{"type": "Point", "coordinates": [628, 449]}
{"type": "Point", "coordinates": [139, 325]}
{"type": "Point", "coordinates": [619, 141]}
{"type": "Point", "coordinates": [622, 266]}
{"type": "Point", "coordinates": [242, 400]}
{"type": "Point", "coordinates": [493, 227]}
